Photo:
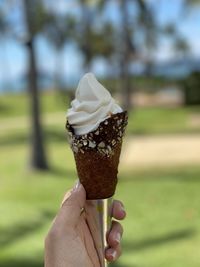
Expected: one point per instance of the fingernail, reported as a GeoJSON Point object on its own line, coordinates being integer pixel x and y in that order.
{"type": "Point", "coordinates": [118, 238]}
{"type": "Point", "coordinates": [123, 209]}
{"type": "Point", "coordinates": [66, 196]}
{"type": "Point", "coordinates": [76, 187]}
{"type": "Point", "coordinates": [113, 254]}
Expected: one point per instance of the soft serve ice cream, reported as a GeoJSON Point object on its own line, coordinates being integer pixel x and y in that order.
{"type": "Point", "coordinates": [92, 105]}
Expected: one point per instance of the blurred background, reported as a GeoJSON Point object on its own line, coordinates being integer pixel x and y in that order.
{"type": "Point", "coordinates": [147, 53]}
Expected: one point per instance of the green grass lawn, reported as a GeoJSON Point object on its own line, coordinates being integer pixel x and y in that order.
{"type": "Point", "coordinates": [162, 227]}
{"type": "Point", "coordinates": [18, 104]}
{"type": "Point", "coordinates": [153, 120]}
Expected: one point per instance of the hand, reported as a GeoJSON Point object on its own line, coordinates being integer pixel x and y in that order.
{"type": "Point", "coordinates": [69, 242]}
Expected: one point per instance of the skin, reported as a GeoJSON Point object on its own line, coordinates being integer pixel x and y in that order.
{"type": "Point", "coordinates": [69, 242]}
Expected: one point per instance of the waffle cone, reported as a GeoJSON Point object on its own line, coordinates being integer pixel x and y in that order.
{"type": "Point", "coordinates": [97, 156]}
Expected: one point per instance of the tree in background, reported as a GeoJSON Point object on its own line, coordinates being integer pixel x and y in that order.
{"type": "Point", "coordinates": [97, 38]}
{"type": "Point", "coordinates": [181, 47]}
{"type": "Point", "coordinates": [34, 17]}
{"type": "Point", "coordinates": [191, 3]}
{"type": "Point", "coordinates": [59, 31]}
{"type": "Point", "coordinates": [2, 33]}
{"type": "Point", "coordinates": [85, 38]}
{"type": "Point", "coordinates": [178, 42]}
{"type": "Point", "coordinates": [191, 87]}
{"type": "Point", "coordinates": [147, 24]}
{"type": "Point", "coordinates": [111, 42]}
{"type": "Point", "coordinates": [92, 42]}
{"type": "Point", "coordinates": [104, 46]}
{"type": "Point", "coordinates": [4, 66]}
{"type": "Point", "coordinates": [130, 50]}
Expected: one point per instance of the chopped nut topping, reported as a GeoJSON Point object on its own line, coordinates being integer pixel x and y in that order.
{"type": "Point", "coordinates": [101, 144]}
{"type": "Point", "coordinates": [103, 139]}
{"type": "Point", "coordinates": [92, 144]}
{"type": "Point", "coordinates": [85, 142]}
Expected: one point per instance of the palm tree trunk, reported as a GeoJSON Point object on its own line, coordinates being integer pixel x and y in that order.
{"type": "Point", "coordinates": [38, 157]}
{"type": "Point", "coordinates": [85, 28]}
{"type": "Point", "coordinates": [125, 58]}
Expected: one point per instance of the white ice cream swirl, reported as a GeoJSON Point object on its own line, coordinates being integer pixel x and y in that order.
{"type": "Point", "coordinates": [92, 105]}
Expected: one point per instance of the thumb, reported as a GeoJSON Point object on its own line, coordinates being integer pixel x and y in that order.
{"type": "Point", "coordinates": [71, 208]}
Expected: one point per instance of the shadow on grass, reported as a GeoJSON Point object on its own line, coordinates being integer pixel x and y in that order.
{"type": "Point", "coordinates": [19, 231]}
{"type": "Point", "coordinates": [116, 264]}
{"type": "Point", "coordinates": [14, 139]}
{"type": "Point", "coordinates": [62, 173]}
{"type": "Point", "coordinates": [5, 109]}
{"type": "Point", "coordinates": [21, 263]}
{"type": "Point", "coordinates": [30, 263]}
{"type": "Point", "coordinates": [157, 241]}
{"type": "Point", "coordinates": [174, 175]}
{"type": "Point", "coordinates": [23, 137]}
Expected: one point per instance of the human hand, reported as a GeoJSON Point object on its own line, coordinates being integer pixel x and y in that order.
{"type": "Point", "coordinates": [69, 242]}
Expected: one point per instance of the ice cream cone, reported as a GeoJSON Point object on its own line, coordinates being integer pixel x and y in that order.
{"type": "Point", "coordinates": [97, 155]}
{"type": "Point", "coordinates": [96, 125]}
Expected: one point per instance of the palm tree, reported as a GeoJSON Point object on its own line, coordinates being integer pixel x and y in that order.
{"type": "Point", "coordinates": [92, 42]}
{"type": "Point", "coordinates": [86, 33]}
{"type": "Point", "coordinates": [179, 43]}
{"type": "Point", "coordinates": [128, 51]}
{"type": "Point", "coordinates": [189, 5]}
{"type": "Point", "coordinates": [3, 62]}
{"type": "Point", "coordinates": [38, 156]}
{"type": "Point", "coordinates": [181, 46]}
{"type": "Point", "coordinates": [192, 2]}
{"type": "Point", "coordinates": [143, 22]}
{"type": "Point", "coordinates": [59, 31]}
{"type": "Point", "coordinates": [147, 24]}
{"type": "Point", "coordinates": [2, 33]}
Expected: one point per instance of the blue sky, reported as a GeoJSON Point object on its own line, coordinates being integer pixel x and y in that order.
{"type": "Point", "coordinates": [13, 56]}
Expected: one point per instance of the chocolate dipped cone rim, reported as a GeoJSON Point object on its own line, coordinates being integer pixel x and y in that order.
{"type": "Point", "coordinates": [104, 139]}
